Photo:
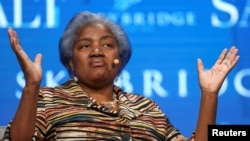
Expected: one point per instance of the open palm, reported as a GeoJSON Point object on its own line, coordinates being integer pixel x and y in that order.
{"type": "Point", "coordinates": [32, 70]}
{"type": "Point", "coordinates": [211, 80]}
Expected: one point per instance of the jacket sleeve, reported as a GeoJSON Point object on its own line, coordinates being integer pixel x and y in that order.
{"type": "Point", "coordinates": [41, 122]}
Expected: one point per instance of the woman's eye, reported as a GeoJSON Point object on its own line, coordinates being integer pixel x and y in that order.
{"type": "Point", "coordinates": [85, 46]}
{"type": "Point", "coordinates": [107, 45]}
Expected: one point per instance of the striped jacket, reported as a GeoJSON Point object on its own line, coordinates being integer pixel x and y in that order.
{"type": "Point", "coordinates": [66, 113]}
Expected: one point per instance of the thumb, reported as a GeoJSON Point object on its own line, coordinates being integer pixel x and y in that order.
{"type": "Point", "coordinates": [38, 59]}
{"type": "Point", "coordinates": [200, 66]}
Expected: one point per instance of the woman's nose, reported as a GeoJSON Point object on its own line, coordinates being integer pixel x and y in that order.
{"type": "Point", "coordinates": [97, 50]}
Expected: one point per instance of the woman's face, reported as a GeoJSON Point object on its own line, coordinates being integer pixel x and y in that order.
{"type": "Point", "coordinates": [94, 51]}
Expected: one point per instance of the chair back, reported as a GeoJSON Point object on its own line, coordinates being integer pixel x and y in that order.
{"type": "Point", "coordinates": [2, 130]}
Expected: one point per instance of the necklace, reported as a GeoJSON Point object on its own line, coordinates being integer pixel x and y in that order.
{"type": "Point", "coordinates": [110, 104]}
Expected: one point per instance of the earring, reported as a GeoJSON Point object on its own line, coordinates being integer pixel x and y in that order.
{"type": "Point", "coordinates": [75, 79]}
{"type": "Point", "coordinates": [74, 76]}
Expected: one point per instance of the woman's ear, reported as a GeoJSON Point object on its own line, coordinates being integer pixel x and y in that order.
{"type": "Point", "coordinates": [73, 70]}
{"type": "Point", "coordinates": [71, 65]}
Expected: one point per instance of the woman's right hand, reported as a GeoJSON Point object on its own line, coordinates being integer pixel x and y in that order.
{"type": "Point", "coordinates": [32, 70]}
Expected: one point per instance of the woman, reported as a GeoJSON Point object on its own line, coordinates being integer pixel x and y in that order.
{"type": "Point", "coordinates": [89, 106]}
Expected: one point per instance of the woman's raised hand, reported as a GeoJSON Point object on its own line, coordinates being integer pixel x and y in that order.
{"type": "Point", "coordinates": [211, 80]}
{"type": "Point", "coordinates": [32, 70]}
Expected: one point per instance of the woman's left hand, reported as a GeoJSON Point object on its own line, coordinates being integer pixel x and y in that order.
{"type": "Point", "coordinates": [210, 81]}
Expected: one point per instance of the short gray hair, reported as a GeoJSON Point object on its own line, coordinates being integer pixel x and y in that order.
{"type": "Point", "coordinates": [83, 18]}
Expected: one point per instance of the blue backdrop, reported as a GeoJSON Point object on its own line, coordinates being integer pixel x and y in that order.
{"type": "Point", "coordinates": [167, 38]}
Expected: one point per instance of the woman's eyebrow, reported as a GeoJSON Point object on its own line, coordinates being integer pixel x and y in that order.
{"type": "Point", "coordinates": [107, 36]}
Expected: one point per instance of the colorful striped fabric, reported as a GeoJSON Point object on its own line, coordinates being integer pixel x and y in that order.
{"type": "Point", "coordinates": [66, 113]}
